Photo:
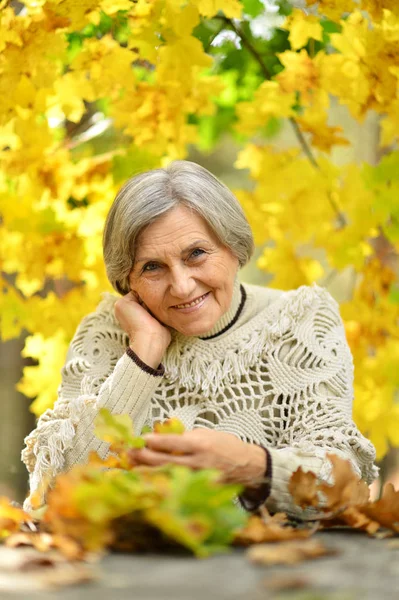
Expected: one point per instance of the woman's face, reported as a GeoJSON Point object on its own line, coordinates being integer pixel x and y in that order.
{"type": "Point", "coordinates": [182, 273]}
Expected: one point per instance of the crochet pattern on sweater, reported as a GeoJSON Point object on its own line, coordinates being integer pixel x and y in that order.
{"type": "Point", "coordinates": [281, 376]}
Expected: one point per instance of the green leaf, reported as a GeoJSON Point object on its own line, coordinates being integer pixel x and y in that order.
{"type": "Point", "coordinates": [116, 429]}
{"type": "Point", "coordinates": [394, 294]}
{"type": "Point", "coordinates": [253, 8]}
{"type": "Point", "coordinates": [132, 162]}
{"type": "Point", "coordinates": [146, 429]}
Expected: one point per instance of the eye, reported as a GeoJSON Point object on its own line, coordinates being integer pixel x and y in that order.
{"type": "Point", "coordinates": [197, 252]}
{"type": "Point", "coordinates": [150, 267]}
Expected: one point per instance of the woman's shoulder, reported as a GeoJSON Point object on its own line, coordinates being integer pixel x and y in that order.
{"type": "Point", "coordinates": [296, 300]}
{"type": "Point", "coordinates": [281, 310]}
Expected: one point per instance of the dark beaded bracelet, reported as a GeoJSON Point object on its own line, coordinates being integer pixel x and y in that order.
{"type": "Point", "coordinates": [252, 498]}
{"type": "Point", "coordinates": [159, 372]}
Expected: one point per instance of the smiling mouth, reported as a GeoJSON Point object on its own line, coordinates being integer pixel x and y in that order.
{"type": "Point", "coordinates": [192, 303]}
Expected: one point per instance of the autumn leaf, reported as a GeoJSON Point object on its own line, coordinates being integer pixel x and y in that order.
{"type": "Point", "coordinates": [279, 583]}
{"type": "Point", "coordinates": [116, 429]}
{"type": "Point", "coordinates": [346, 500]}
{"type": "Point", "coordinates": [385, 510]}
{"type": "Point", "coordinates": [11, 517]}
{"type": "Point", "coordinates": [288, 553]}
{"type": "Point", "coordinates": [172, 425]}
{"type": "Point", "coordinates": [302, 27]}
{"type": "Point", "coordinates": [28, 570]}
{"type": "Point", "coordinates": [346, 490]}
{"type": "Point", "coordinates": [99, 507]}
{"type": "Point", "coordinates": [43, 542]}
{"type": "Point", "coordinates": [303, 488]}
{"type": "Point", "coordinates": [274, 529]}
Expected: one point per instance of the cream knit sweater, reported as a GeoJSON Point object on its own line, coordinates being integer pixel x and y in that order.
{"type": "Point", "coordinates": [276, 370]}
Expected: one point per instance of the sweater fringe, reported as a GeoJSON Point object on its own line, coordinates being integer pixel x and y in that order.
{"type": "Point", "coordinates": [205, 373]}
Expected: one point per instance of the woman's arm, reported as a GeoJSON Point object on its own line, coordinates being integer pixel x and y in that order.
{"type": "Point", "coordinates": [317, 405]}
{"type": "Point", "coordinates": [96, 374]}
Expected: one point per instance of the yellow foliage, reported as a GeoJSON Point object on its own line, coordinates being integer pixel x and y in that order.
{"type": "Point", "coordinates": [231, 8]}
{"type": "Point", "coordinates": [155, 86]}
{"type": "Point", "coordinates": [375, 409]}
{"type": "Point", "coordinates": [290, 270]}
{"type": "Point", "coordinates": [300, 73]}
{"type": "Point", "coordinates": [360, 74]}
{"type": "Point", "coordinates": [302, 27]}
{"type": "Point", "coordinates": [390, 124]}
{"type": "Point", "coordinates": [269, 101]}
{"type": "Point", "coordinates": [102, 69]}
{"type": "Point", "coordinates": [75, 13]}
{"type": "Point", "coordinates": [333, 9]}
{"type": "Point", "coordinates": [291, 189]}
{"type": "Point", "coordinates": [376, 8]}
{"type": "Point", "coordinates": [38, 382]}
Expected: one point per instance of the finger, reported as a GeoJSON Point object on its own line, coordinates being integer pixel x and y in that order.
{"type": "Point", "coordinates": [148, 457]}
{"type": "Point", "coordinates": [169, 442]}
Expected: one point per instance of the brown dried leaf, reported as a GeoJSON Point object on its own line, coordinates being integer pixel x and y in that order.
{"type": "Point", "coordinates": [273, 530]}
{"type": "Point", "coordinates": [284, 582]}
{"type": "Point", "coordinates": [43, 542]}
{"type": "Point", "coordinates": [287, 553]}
{"type": "Point", "coordinates": [347, 490]}
{"type": "Point", "coordinates": [385, 510]}
{"type": "Point", "coordinates": [11, 517]}
{"type": "Point", "coordinates": [27, 569]}
{"type": "Point", "coordinates": [303, 488]}
{"type": "Point", "coordinates": [356, 519]}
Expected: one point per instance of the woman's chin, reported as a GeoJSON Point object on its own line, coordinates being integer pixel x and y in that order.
{"type": "Point", "coordinates": [195, 329]}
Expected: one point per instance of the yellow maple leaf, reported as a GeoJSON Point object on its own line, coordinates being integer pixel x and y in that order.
{"type": "Point", "coordinates": [110, 7]}
{"type": "Point", "coordinates": [313, 120]}
{"type": "Point", "coordinates": [105, 66]}
{"type": "Point", "coordinates": [9, 28]}
{"type": "Point", "coordinates": [13, 310]}
{"type": "Point", "coordinates": [302, 27]}
{"type": "Point", "coordinates": [300, 73]}
{"type": "Point", "coordinates": [376, 8]}
{"type": "Point", "coordinates": [208, 8]}
{"type": "Point", "coordinates": [333, 9]}
{"type": "Point", "coordinates": [42, 381]}
{"type": "Point", "coordinates": [269, 101]}
{"type": "Point", "coordinates": [290, 270]}
{"type": "Point", "coordinates": [78, 13]}
{"type": "Point", "coordinates": [71, 91]}
{"type": "Point", "coordinates": [177, 21]}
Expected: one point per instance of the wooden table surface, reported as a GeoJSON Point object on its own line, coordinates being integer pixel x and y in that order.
{"type": "Point", "coordinates": [364, 569]}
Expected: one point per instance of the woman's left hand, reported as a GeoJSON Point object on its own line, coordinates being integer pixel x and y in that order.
{"type": "Point", "coordinates": [200, 448]}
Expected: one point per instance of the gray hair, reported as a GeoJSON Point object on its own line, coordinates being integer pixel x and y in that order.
{"type": "Point", "coordinates": [147, 196]}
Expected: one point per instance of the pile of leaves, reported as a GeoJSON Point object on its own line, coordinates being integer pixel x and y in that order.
{"type": "Point", "coordinates": [347, 501]}
{"type": "Point", "coordinates": [115, 504]}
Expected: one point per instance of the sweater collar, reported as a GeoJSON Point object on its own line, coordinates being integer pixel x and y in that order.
{"type": "Point", "coordinates": [230, 317]}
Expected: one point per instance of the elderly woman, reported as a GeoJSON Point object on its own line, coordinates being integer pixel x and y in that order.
{"type": "Point", "coordinates": [261, 378]}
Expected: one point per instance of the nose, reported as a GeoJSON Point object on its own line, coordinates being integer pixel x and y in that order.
{"type": "Point", "coordinates": [182, 284]}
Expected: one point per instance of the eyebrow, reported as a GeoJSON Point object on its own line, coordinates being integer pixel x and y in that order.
{"type": "Point", "coordinates": [187, 249]}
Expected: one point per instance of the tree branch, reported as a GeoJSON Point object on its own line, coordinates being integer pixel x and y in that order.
{"type": "Point", "coordinates": [301, 138]}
